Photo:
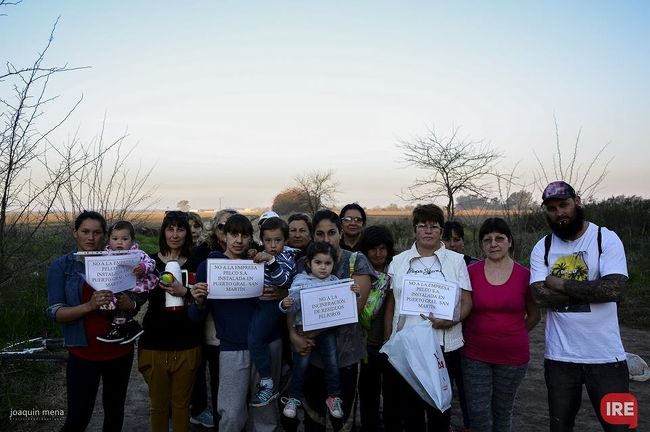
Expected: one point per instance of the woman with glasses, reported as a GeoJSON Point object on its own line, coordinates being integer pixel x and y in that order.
{"type": "Point", "coordinates": [496, 353]}
{"type": "Point", "coordinates": [428, 259]}
{"type": "Point", "coordinates": [169, 350]}
{"type": "Point", "coordinates": [353, 219]}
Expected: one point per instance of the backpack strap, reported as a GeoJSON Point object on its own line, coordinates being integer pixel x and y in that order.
{"type": "Point", "coordinates": [353, 260]}
{"type": "Point", "coordinates": [600, 242]}
{"type": "Point", "coordinates": [547, 247]}
{"type": "Point", "coordinates": [549, 238]}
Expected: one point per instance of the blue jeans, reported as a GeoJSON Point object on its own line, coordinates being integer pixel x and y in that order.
{"type": "Point", "coordinates": [326, 346]}
{"type": "Point", "coordinates": [564, 382]}
{"type": "Point", "coordinates": [262, 326]}
{"type": "Point", "coordinates": [491, 390]}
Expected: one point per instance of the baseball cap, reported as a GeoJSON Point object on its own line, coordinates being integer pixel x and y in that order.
{"type": "Point", "coordinates": [267, 215]}
{"type": "Point", "coordinates": [558, 190]}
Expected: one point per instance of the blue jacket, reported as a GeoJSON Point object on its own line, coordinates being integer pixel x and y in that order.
{"type": "Point", "coordinates": [65, 280]}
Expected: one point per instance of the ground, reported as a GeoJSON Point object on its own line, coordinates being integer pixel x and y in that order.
{"type": "Point", "coordinates": [530, 413]}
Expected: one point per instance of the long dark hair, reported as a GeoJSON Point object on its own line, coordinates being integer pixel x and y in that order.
{"type": "Point", "coordinates": [377, 235]}
{"type": "Point", "coordinates": [181, 220]}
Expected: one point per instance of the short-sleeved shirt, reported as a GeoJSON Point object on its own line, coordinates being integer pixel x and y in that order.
{"type": "Point", "coordinates": [583, 333]}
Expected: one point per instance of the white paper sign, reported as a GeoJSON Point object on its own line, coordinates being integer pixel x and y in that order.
{"type": "Point", "coordinates": [111, 272]}
{"type": "Point", "coordinates": [421, 295]}
{"type": "Point", "coordinates": [232, 279]}
{"type": "Point", "coordinates": [328, 306]}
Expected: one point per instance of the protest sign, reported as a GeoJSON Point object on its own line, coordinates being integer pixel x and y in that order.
{"type": "Point", "coordinates": [422, 295]}
{"type": "Point", "coordinates": [328, 306]}
{"type": "Point", "coordinates": [232, 279]}
{"type": "Point", "coordinates": [112, 272]}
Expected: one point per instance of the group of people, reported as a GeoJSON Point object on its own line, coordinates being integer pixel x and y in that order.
{"type": "Point", "coordinates": [249, 345]}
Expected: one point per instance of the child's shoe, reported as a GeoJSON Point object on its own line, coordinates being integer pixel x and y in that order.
{"type": "Point", "coordinates": [265, 393]}
{"type": "Point", "coordinates": [334, 406]}
{"type": "Point", "coordinates": [132, 332]}
{"type": "Point", "coordinates": [290, 407]}
{"type": "Point", "coordinates": [114, 335]}
{"type": "Point", "coordinates": [205, 419]}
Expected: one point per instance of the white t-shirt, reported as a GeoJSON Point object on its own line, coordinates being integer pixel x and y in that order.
{"type": "Point", "coordinates": [586, 333]}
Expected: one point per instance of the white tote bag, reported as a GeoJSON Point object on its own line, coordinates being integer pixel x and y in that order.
{"type": "Point", "coordinates": [415, 353]}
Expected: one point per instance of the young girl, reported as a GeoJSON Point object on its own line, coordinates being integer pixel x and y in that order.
{"type": "Point", "coordinates": [321, 257]}
{"type": "Point", "coordinates": [124, 328]}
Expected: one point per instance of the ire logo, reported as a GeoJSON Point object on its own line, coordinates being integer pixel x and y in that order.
{"type": "Point", "coordinates": [620, 409]}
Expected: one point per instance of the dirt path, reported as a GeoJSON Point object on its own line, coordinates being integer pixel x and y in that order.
{"type": "Point", "coordinates": [531, 413]}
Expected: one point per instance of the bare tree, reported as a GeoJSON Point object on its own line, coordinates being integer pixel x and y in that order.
{"type": "Point", "coordinates": [41, 180]}
{"type": "Point", "coordinates": [26, 201]}
{"type": "Point", "coordinates": [105, 182]}
{"type": "Point", "coordinates": [318, 187]}
{"type": "Point", "coordinates": [453, 165]}
{"type": "Point", "coordinates": [585, 178]}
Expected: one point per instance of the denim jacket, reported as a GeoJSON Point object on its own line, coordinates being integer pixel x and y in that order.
{"type": "Point", "coordinates": [65, 280]}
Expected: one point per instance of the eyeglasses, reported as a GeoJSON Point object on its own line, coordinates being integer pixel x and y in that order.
{"type": "Point", "coordinates": [497, 239]}
{"type": "Point", "coordinates": [176, 214]}
{"type": "Point", "coordinates": [350, 219]}
{"type": "Point", "coordinates": [423, 226]}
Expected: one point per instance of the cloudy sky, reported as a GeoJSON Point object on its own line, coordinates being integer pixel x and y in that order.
{"type": "Point", "coordinates": [230, 100]}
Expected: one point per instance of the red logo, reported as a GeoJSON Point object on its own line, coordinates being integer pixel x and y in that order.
{"type": "Point", "coordinates": [620, 408]}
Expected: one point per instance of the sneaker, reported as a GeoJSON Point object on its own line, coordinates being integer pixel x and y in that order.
{"type": "Point", "coordinates": [290, 406]}
{"type": "Point", "coordinates": [265, 394]}
{"type": "Point", "coordinates": [115, 334]}
{"type": "Point", "coordinates": [132, 332]}
{"type": "Point", "coordinates": [334, 406]}
{"type": "Point", "coordinates": [204, 419]}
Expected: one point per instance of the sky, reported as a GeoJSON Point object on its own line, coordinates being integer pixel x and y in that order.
{"type": "Point", "coordinates": [229, 101]}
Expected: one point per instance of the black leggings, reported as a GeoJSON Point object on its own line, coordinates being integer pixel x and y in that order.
{"type": "Point", "coordinates": [82, 380]}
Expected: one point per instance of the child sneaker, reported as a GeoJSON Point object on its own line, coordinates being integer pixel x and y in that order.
{"type": "Point", "coordinates": [290, 407]}
{"type": "Point", "coordinates": [114, 335]}
{"type": "Point", "coordinates": [265, 394]}
{"type": "Point", "coordinates": [132, 332]}
{"type": "Point", "coordinates": [334, 406]}
{"type": "Point", "coordinates": [205, 419]}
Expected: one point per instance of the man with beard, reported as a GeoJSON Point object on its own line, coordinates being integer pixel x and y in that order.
{"type": "Point", "coordinates": [578, 274]}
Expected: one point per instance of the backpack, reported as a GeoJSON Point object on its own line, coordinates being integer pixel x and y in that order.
{"type": "Point", "coordinates": [549, 237]}
{"type": "Point", "coordinates": [376, 296]}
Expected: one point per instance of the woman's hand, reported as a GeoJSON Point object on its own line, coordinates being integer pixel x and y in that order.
{"type": "Point", "coordinates": [356, 290]}
{"type": "Point", "coordinates": [262, 257]}
{"type": "Point", "coordinates": [175, 289]}
{"type": "Point", "coordinates": [273, 293]}
{"type": "Point", "coordinates": [301, 343]}
{"type": "Point", "coordinates": [124, 302]}
{"type": "Point", "coordinates": [100, 298]}
{"type": "Point", "coordinates": [287, 302]}
{"type": "Point", "coordinates": [200, 293]}
{"type": "Point", "coordinates": [439, 324]}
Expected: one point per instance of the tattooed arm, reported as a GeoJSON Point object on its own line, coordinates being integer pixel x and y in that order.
{"type": "Point", "coordinates": [546, 297]}
{"type": "Point", "coordinates": [605, 289]}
